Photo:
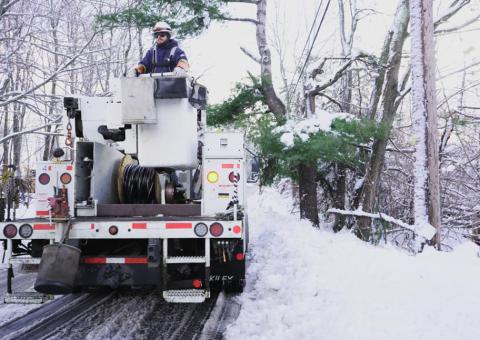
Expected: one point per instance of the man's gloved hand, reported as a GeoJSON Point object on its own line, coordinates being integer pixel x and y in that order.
{"type": "Point", "coordinates": [180, 72]}
{"type": "Point", "coordinates": [139, 70]}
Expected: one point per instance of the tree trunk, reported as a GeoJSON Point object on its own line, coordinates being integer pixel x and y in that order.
{"type": "Point", "coordinates": [49, 140]}
{"type": "Point", "coordinates": [273, 102]}
{"type": "Point", "coordinates": [345, 96]}
{"type": "Point", "coordinates": [16, 127]}
{"type": "Point", "coordinates": [340, 192]}
{"type": "Point", "coordinates": [427, 183]}
{"type": "Point", "coordinates": [388, 109]}
{"type": "Point", "coordinates": [308, 192]}
{"type": "Point", "coordinates": [5, 158]}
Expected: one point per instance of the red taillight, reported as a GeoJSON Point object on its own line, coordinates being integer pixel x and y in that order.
{"type": "Point", "coordinates": [197, 283]}
{"type": "Point", "coordinates": [113, 230]}
{"type": "Point", "coordinates": [239, 256]}
{"type": "Point", "coordinates": [44, 179]}
{"type": "Point", "coordinates": [237, 229]}
{"type": "Point", "coordinates": [216, 229]}
{"type": "Point", "coordinates": [65, 178]}
{"type": "Point", "coordinates": [10, 231]}
{"type": "Point", "coordinates": [233, 176]}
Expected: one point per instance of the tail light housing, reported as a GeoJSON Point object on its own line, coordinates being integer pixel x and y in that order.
{"type": "Point", "coordinates": [65, 178]}
{"type": "Point", "coordinates": [200, 229]}
{"type": "Point", "coordinates": [239, 256]}
{"type": "Point", "coordinates": [10, 231]}
{"type": "Point", "coordinates": [44, 178]}
{"type": "Point", "coordinates": [197, 283]}
{"type": "Point", "coordinates": [216, 229]}
{"type": "Point", "coordinates": [232, 176]}
{"type": "Point", "coordinates": [113, 230]}
{"type": "Point", "coordinates": [212, 177]}
{"type": "Point", "coordinates": [25, 230]}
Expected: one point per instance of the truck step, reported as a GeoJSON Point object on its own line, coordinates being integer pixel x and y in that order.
{"type": "Point", "coordinates": [21, 260]}
{"type": "Point", "coordinates": [26, 298]}
{"type": "Point", "coordinates": [29, 268]}
{"type": "Point", "coordinates": [185, 259]}
{"type": "Point", "coordinates": [186, 295]}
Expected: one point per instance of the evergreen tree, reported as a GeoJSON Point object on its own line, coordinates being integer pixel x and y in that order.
{"type": "Point", "coordinates": [186, 17]}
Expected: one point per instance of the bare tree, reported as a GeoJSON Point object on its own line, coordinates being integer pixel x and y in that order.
{"type": "Point", "coordinates": [427, 183]}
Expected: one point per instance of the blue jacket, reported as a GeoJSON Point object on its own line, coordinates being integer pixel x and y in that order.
{"type": "Point", "coordinates": [165, 61]}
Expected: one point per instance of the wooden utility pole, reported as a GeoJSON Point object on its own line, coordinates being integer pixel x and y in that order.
{"type": "Point", "coordinates": [427, 181]}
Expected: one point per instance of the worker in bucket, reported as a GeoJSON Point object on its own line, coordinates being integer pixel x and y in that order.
{"type": "Point", "coordinates": [165, 55]}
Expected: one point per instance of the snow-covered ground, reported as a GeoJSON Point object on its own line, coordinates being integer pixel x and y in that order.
{"type": "Point", "coordinates": [304, 283]}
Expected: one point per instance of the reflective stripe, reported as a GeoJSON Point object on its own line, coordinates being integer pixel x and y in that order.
{"type": "Point", "coordinates": [136, 260]}
{"type": "Point", "coordinates": [115, 260]}
{"type": "Point", "coordinates": [178, 225]}
{"type": "Point", "coordinates": [44, 226]}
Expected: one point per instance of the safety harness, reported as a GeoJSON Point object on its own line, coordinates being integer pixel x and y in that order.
{"type": "Point", "coordinates": [166, 62]}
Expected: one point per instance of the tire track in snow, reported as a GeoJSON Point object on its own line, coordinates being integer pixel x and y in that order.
{"type": "Point", "coordinates": [39, 322]}
{"type": "Point", "coordinates": [138, 315]}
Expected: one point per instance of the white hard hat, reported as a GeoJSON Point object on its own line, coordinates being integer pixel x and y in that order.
{"type": "Point", "coordinates": [162, 26]}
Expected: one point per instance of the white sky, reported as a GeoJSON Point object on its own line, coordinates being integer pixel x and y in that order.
{"type": "Point", "coordinates": [217, 57]}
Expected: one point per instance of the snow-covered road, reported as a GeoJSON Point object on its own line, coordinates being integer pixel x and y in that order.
{"type": "Point", "coordinates": [111, 315]}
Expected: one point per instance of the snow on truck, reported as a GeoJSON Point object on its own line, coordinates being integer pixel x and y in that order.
{"type": "Point", "coordinates": [140, 195]}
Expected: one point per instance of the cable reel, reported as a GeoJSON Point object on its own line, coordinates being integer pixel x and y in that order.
{"type": "Point", "coordinates": [141, 185]}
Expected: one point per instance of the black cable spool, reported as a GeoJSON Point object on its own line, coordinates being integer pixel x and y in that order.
{"type": "Point", "coordinates": [139, 184]}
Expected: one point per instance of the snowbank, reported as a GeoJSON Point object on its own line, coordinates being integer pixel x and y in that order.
{"type": "Point", "coordinates": [309, 284]}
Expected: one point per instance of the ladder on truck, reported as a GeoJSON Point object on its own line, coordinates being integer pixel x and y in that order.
{"type": "Point", "coordinates": [197, 295]}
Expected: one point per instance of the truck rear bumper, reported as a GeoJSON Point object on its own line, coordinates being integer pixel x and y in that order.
{"type": "Point", "coordinates": [127, 228]}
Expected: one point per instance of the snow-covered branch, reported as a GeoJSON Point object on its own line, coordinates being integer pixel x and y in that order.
{"type": "Point", "coordinates": [249, 20]}
{"type": "Point", "coordinates": [338, 74]}
{"type": "Point", "coordinates": [427, 233]}
{"type": "Point", "coordinates": [53, 75]}
{"type": "Point", "coordinates": [454, 8]}
{"type": "Point", "coordinates": [19, 133]}
{"type": "Point", "coordinates": [459, 27]}
{"type": "Point", "coordinates": [250, 55]}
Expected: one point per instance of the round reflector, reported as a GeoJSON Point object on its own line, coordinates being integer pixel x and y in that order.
{"type": "Point", "coordinates": [212, 177]}
{"type": "Point", "coordinates": [200, 229]}
{"type": "Point", "coordinates": [65, 178]}
{"type": "Point", "coordinates": [10, 231]}
{"type": "Point", "coordinates": [25, 230]}
{"type": "Point", "coordinates": [232, 176]}
{"type": "Point", "coordinates": [113, 230]}
{"type": "Point", "coordinates": [216, 229]}
{"type": "Point", "coordinates": [44, 179]}
{"type": "Point", "coordinates": [197, 283]}
{"type": "Point", "coordinates": [239, 256]}
{"type": "Point", "coordinates": [237, 229]}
